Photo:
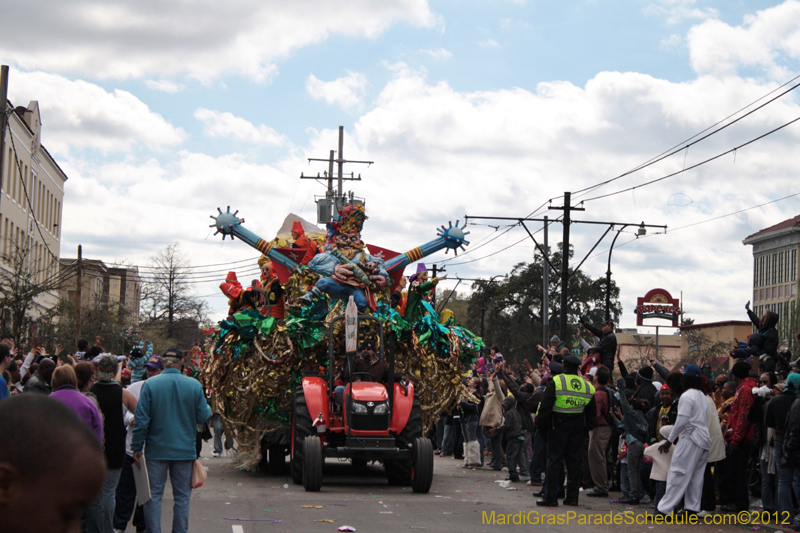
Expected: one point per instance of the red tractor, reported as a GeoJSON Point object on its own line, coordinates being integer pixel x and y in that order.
{"type": "Point", "coordinates": [376, 421]}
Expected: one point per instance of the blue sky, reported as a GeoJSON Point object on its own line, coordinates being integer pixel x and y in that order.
{"type": "Point", "coordinates": [161, 111]}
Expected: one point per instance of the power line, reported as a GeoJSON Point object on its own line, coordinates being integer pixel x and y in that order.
{"type": "Point", "coordinates": [734, 149]}
{"type": "Point", "coordinates": [681, 146]}
{"type": "Point", "coordinates": [703, 221]}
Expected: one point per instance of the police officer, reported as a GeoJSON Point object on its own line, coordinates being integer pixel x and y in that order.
{"type": "Point", "coordinates": [567, 412]}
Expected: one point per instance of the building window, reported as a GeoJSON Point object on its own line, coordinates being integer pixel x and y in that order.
{"type": "Point", "coordinates": [774, 275]}
{"type": "Point", "coordinates": [755, 272]}
{"type": "Point", "coordinates": [794, 265]}
{"type": "Point", "coordinates": [780, 267]}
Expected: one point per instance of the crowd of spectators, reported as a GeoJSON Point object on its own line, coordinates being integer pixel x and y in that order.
{"type": "Point", "coordinates": [682, 439]}
{"type": "Point", "coordinates": [117, 413]}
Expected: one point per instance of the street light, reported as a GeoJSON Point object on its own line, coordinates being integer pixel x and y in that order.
{"type": "Point", "coordinates": [640, 232]}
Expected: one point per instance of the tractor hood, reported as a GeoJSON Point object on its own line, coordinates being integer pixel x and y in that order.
{"type": "Point", "coordinates": [365, 391]}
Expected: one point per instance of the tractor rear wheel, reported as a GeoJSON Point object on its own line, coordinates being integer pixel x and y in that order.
{"type": "Point", "coordinates": [301, 428]}
{"type": "Point", "coordinates": [312, 464]}
{"type": "Point", "coordinates": [398, 471]}
{"type": "Point", "coordinates": [422, 461]}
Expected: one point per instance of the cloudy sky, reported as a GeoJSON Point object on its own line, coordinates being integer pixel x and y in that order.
{"type": "Point", "coordinates": [161, 111]}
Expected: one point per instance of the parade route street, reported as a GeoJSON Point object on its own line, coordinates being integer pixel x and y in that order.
{"type": "Point", "coordinates": [458, 500]}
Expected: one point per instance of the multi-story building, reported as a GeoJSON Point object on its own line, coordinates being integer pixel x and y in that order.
{"type": "Point", "coordinates": [117, 286]}
{"type": "Point", "coordinates": [31, 197]}
{"type": "Point", "coordinates": [775, 279]}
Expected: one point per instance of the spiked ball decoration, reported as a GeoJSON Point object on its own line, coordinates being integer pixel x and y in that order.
{"type": "Point", "coordinates": [453, 237]}
{"type": "Point", "coordinates": [225, 222]}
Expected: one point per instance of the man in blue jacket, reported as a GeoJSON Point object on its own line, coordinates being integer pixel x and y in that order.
{"type": "Point", "coordinates": [169, 409]}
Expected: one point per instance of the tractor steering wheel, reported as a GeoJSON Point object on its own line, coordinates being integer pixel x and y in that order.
{"type": "Point", "coordinates": [371, 377]}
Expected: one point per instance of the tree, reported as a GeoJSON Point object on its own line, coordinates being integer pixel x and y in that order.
{"type": "Point", "coordinates": [168, 304]}
{"type": "Point", "coordinates": [513, 307]}
{"type": "Point", "coordinates": [22, 281]}
{"type": "Point", "coordinates": [113, 322]}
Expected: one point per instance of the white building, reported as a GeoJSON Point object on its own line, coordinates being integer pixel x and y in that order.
{"type": "Point", "coordinates": [775, 274]}
{"type": "Point", "coordinates": [31, 199]}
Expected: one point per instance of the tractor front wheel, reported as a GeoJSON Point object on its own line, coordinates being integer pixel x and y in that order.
{"type": "Point", "coordinates": [312, 464]}
{"type": "Point", "coordinates": [422, 465]}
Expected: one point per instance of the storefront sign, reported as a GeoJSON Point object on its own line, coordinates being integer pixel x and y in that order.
{"type": "Point", "coordinates": [658, 303]}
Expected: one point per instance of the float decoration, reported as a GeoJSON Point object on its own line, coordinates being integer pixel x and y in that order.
{"type": "Point", "coordinates": [258, 361]}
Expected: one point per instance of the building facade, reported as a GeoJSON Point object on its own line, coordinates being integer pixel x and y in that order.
{"type": "Point", "coordinates": [775, 275]}
{"type": "Point", "coordinates": [116, 286]}
{"type": "Point", "coordinates": [31, 199]}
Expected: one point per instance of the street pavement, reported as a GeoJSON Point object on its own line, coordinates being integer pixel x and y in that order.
{"type": "Point", "coordinates": [234, 501]}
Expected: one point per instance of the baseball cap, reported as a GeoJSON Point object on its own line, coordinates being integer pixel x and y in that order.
{"type": "Point", "coordinates": [693, 371]}
{"type": "Point", "coordinates": [155, 362]}
{"type": "Point", "coordinates": [174, 352]}
{"type": "Point", "coordinates": [106, 368]}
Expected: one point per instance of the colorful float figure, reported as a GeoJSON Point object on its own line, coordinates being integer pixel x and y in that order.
{"type": "Point", "coordinates": [418, 292]}
{"type": "Point", "coordinates": [301, 241]}
{"type": "Point", "coordinates": [271, 296]}
{"type": "Point", "coordinates": [346, 268]}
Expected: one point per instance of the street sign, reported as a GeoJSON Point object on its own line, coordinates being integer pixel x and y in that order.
{"type": "Point", "coordinates": [351, 326]}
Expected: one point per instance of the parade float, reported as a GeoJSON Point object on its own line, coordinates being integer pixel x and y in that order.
{"type": "Point", "coordinates": [277, 329]}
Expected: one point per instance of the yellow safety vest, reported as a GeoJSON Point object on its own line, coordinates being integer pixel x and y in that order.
{"type": "Point", "coordinates": [573, 393]}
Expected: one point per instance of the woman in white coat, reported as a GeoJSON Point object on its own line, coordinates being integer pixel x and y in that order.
{"type": "Point", "coordinates": [685, 477]}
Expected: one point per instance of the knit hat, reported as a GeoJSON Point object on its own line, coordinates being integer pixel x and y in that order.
{"type": "Point", "coordinates": [555, 338]}
{"type": "Point", "coordinates": [695, 372]}
{"type": "Point", "coordinates": [666, 431]}
{"type": "Point", "coordinates": [106, 368]}
{"type": "Point", "coordinates": [792, 384]}
{"type": "Point", "coordinates": [741, 369]}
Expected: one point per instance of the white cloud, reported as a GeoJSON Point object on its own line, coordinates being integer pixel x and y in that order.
{"type": "Point", "coordinates": [505, 152]}
{"type": "Point", "coordinates": [671, 42]}
{"type": "Point", "coordinates": [226, 125]}
{"type": "Point", "coordinates": [164, 86]}
{"type": "Point", "coordinates": [346, 92]}
{"type": "Point", "coordinates": [489, 43]}
{"type": "Point", "coordinates": [80, 115]}
{"type": "Point", "coordinates": [677, 11]}
{"type": "Point", "coordinates": [717, 48]}
{"type": "Point", "coordinates": [438, 53]}
{"type": "Point", "coordinates": [202, 40]}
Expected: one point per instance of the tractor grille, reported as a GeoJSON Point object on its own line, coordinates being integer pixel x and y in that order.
{"type": "Point", "coordinates": [369, 422]}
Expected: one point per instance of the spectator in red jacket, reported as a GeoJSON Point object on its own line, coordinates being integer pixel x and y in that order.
{"type": "Point", "coordinates": [739, 436]}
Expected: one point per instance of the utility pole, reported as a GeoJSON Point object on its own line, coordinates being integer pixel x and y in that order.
{"type": "Point", "coordinates": [78, 289]}
{"type": "Point", "coordinates": [567, 207]}
{"type": "Point", "coordinates": [567, 220]}
{"type": "Point", "coordinates": [545, 290]}
{"type": "Point", "coordinates": [3, 116]}
{"type": "Point", "coordinates": [435, 271]}
{"type": "Point", "coordinates": [334, 200]}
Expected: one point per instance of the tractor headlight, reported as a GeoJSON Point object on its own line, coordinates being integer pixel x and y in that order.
{"type": "Point", "coordinates": [381, 409]}
{"type": "Point", "coordinates": [359, 409]}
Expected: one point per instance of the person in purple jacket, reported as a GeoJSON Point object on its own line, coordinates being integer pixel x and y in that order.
{"type": "Point", "coordinates": [65, 387]}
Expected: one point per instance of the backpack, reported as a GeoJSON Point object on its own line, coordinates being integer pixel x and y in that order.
{"type": "Point", "coordinates": [613, 404]}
